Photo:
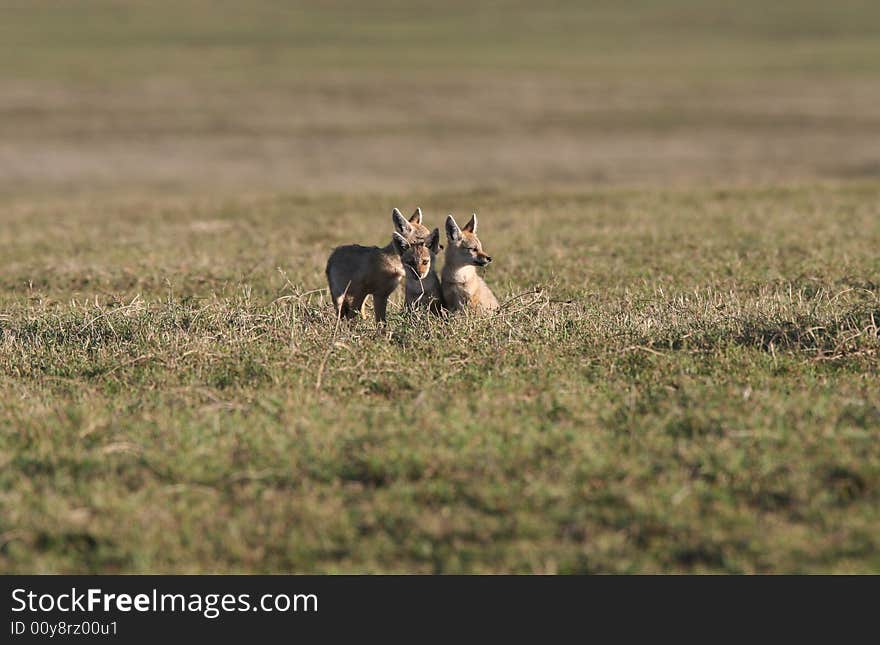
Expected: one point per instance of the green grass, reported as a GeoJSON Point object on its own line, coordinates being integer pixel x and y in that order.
{"type": "Point", "coordinates": [692, 388]}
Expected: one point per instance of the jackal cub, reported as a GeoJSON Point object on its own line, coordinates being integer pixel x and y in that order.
{"type": "Point", "coordinates": [423, 292]}
{"type": "Point", "coordinates": [462, 287]}
{"type": "Point", "coordinates": [355, 271]}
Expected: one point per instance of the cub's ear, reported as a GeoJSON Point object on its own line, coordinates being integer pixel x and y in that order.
{"type": "Point", "coordinates": [416, 217]}
{"type": "Point", "coordinates": [471, 225]}
{"type": "Point", "coordinates": [400, 243]}
{"type": "Point", "coordinates": [400, 224]}
{"type": "Point", "coordinates": [452, 230]}
{"type": "Point", "coordinates": [433, 241]}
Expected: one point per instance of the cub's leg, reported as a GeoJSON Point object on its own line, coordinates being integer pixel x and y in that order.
{"type": "Point", "coordinates": [380, 304]}
{"type": "Point", "coordinates": [357, 305]}
{"type": "Point", "coordinates": [342, 299]}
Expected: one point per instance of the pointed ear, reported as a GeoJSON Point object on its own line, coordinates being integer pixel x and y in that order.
{"type": "Point", "coordinates": [452, 230]}
{"type": "Point", "coordinates": [471, 225]}
{"type": "Point", "coordinates": [416, 217]}
{"type": "Point", "coordinates": [400, 243]}
{"type": "Point", "coordinates": [400, 223]}
{"type": "Point", "coordinates": [433, 241]}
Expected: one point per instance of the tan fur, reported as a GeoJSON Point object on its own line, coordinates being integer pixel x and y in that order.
{"type": "Point", "coordinates": [462, 288]}
{"type": "Point", "coordinates": [355, 271]}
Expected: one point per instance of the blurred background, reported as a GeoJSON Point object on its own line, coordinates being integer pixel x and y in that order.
{"type": "Point", "coordinates": [333, 95]}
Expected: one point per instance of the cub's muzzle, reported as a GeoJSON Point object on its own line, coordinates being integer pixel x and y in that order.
{"type": "Point", "coordinates": [420, 272]}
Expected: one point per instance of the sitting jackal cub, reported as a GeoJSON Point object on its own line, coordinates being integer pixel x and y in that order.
{"type": "Point", "coordinates": [355, 271]}
{"type": "Point", "coordinates": [462, 287]}
{"type": "Point", "coordinates": [423, 292]}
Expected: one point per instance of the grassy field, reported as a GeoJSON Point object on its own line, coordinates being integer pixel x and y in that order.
{"type": "Point", "coordinates": [683, 204]}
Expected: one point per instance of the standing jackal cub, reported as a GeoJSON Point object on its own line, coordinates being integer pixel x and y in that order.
{"type": "Point", "coordinates": [462, 287]}
{"type": "Point", "coordinates": [355, 271]}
